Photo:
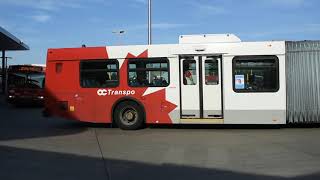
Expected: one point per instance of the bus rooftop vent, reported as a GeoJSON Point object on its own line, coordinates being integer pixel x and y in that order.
{"type": "Point", "coordinates": [208, 38]}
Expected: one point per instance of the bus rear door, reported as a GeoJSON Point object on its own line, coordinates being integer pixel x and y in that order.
{"type": "Point", "coordinates": [201, 87]}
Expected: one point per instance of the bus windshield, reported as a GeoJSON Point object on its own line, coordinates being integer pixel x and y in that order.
{"type": "Point", "coordinates": [23, 80]}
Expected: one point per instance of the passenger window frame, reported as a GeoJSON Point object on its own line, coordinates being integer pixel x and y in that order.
{"type": "Point", "coordinates": [151, 60]}
{"type": "Point", "coordinates": [256, 58]}
{"type": "Point", "coordinates": [100, 60]}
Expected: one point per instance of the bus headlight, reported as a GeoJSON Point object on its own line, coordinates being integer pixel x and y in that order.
{"type": "Point", "coordinates": [40, 97]}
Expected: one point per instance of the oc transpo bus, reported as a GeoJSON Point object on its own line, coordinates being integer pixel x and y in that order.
{"type": "Point", "coordinates": [204, 79]}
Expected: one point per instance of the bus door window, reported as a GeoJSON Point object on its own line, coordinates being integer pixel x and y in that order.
{"type": "Point", "coordinates": [211, 72]}
{"type": "Point", "coordinates": [189, 72]}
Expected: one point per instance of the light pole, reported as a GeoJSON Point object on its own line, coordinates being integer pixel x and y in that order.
{"type": "Point", "coordinates": [149, 23]}
{"type": "Point", "coordinates": [119, 33]}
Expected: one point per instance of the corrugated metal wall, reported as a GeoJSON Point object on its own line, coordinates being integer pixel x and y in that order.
{"type": "Point", "coordinates": [303, 81]}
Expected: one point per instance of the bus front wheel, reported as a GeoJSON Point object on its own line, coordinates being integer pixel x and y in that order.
{"type": "Point", "coordinates": [128, 115]}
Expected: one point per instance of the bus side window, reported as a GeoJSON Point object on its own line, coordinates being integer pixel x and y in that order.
{"type": "Point", "coordinates": [152, 72]}
{"type": "Point", "coordinates": [255, 74]}
{"type": "Point", "coordinates": [99, 73]}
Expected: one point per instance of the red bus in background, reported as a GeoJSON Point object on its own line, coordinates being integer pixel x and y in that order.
{"type": "Point", "coordinates": [26, 84]}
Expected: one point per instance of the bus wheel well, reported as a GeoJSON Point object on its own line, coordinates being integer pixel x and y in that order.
{"type": "Point", "coordinates": [126, 100]}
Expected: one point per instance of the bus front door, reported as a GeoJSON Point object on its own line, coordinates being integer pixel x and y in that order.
{"type": "Point", "coordinates": [201, 92]}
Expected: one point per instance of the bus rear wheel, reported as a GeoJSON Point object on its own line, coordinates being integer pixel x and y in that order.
{"type": "Point", "coordinates": [128, 115]}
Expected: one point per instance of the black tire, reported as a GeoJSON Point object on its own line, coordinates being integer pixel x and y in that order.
{"type": "Point", "coordinates": [129, 115]}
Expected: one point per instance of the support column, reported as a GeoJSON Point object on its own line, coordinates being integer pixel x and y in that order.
{"type": "Point", "coordinates": [4, 77]}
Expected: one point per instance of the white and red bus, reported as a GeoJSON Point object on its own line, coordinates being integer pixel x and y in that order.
{"type": "Point", "coordinates": [205, 79]}
{"type": "Point", "coordinates": [26, 84]}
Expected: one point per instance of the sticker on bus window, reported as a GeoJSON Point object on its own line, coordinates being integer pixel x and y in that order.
{"type": "Point", "coordinates": [239, 81]}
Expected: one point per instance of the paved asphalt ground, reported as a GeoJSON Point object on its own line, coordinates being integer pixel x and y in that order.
{"type": "Point", "coordinates": [37, 148]}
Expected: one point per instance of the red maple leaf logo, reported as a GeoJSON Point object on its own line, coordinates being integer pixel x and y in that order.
{"type": "Point", "coordinates": [156, 106]}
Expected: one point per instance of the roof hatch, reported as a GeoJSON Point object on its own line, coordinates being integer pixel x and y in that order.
{"type": "Point", "coordinates": [208, 38]}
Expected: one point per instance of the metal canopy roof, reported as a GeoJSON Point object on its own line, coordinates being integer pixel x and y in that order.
{"type": "Point", "coordinates": [10, 42]}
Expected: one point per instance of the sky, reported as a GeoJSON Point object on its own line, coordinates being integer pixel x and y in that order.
{"type": "Point", "coordinates": [43, 24]}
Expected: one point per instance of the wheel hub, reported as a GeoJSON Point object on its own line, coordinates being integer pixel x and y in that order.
{"type": "Point", "coordinates": [129, 115]}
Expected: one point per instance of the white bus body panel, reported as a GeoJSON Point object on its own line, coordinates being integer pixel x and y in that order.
{"type": "Point", "coordinates": [254, 108]}
{"type": "Point", "coordinates": [238, 108]}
